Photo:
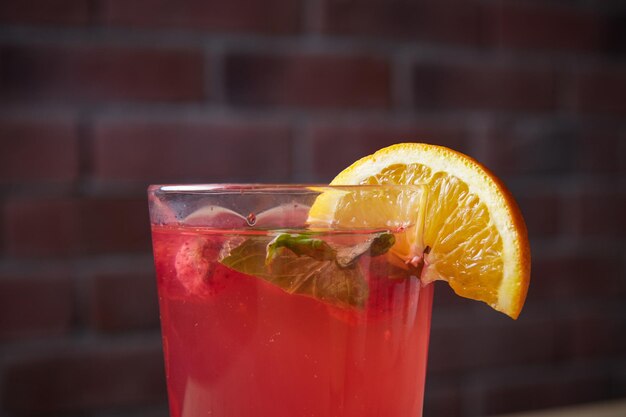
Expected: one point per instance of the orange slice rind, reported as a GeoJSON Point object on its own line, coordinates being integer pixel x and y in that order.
{"type": "Point", "coordinates": [473, 235]}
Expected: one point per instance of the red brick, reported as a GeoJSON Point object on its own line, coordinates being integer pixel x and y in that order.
{"type": "Point", "coordinates": [34, 227]}
{"type": "Point", "coordinates": [600, 213]}
{"type": "Point", "coordinates": [601, 91]}
{"type": "Point", "coordinates": [483, 86]}
{"type": "Point", "coordinates": [620, 380]}
{"type": "Point", "coordinates": [539, 26]}
{"type": "Point", "coordinates": [45, 12]}
{"type": "Point", "coordinates": [472, 344]}
{"type": "Point", "coordinates": [32, 307]}
{"type": "Point", "coordinates": [543, 389]}
{"type": "Point", "coordinates": [124, 302]}
{"type": "Point", "coordinates": [84, 379]}
{"type": "Point", "coordinates": [97, 73]}
{"type": "Point", "coordinates": [116, 225]}
{"type": "Point", "coordinates": [38, 150]}
{"type": "Point", "coordinates": [554, 149]}
{"type": "Point", "coordinates": [525, 149]}
{"type": "Point", "coordinates": [592, 332]}
{"type": "Point", "coordinates": [446, 301]}
{"type": "Point", "coordinates": [307, 80]}
{"type": "Point", "coordinates": [177, 151]}
{"type": "Point", "coordinates": [599, 151]}
{"type": "Point", "coordinates": [442, 398]}
{"type": "Point", "coordinates": [73, 226]}
{"type": "Point", "coordinates": [447, 21]}
{"type": "Point", "coordinates": [576, 276]}
{"type": "Point", "coordinates": [273, 16]}
{"type": "Point", "coordinates": [616, 32]}
{"type": "Point", "coordinates": [542, 213]}
{"type": "Point", "coordinates": [351, 142]}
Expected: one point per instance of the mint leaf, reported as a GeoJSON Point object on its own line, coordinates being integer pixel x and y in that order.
{"type": "Point", "coordinates": [302, 264]}
{"type": "Point", "coordinates": [377, 245]}
{"type": "Point", "coordinates": [300, 244]}
{"type": "Point", "coordinates": [382, 243]}
{"type": "Point", "coordinates": [248, 257]}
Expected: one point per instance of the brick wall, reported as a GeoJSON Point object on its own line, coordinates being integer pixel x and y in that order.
{"type": "Point", "coordinates": [98, 98]}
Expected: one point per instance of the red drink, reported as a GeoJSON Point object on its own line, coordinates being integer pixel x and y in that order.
{"type": "Point", "coordinates": [238, 345]}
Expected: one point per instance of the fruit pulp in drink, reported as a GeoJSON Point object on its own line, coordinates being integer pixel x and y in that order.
{"type": "Point", "coordinates": [236, 345]}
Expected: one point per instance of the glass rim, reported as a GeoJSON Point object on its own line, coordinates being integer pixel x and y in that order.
{"type": "Point", "coordinates": [193, 204]}
{"type": "Point", "coordinates": [230, 188]}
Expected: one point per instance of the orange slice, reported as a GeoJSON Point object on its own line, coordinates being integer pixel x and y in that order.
{"type": "Point", "coordinates": [473, 233]}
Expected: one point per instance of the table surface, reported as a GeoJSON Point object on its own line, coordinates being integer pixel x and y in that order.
{"type": "Point", "coordinates": [604, 409]}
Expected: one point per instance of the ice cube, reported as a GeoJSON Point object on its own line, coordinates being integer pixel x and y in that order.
{"type": "Point", "coordinates": [192, 266]}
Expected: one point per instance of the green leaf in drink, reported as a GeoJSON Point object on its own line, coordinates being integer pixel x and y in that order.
{"type": "Point", "coordinates": [302, 264]}
{"type": "Point", "coordinates": [300, 244]}
{"type": "Point", "coordinates": [377, 245]}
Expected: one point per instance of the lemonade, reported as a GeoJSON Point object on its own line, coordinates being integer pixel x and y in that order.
{"type": "Point", "coordinates": [296, 300]}
{"type": "Point", "coordinates": [236, 345]}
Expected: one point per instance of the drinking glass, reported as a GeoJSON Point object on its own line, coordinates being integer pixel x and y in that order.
{"type": "Point", "coordinates": [290, 300]}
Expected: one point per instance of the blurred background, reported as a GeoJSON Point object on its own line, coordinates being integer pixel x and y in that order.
{"type": "Point", "coordinates": [99, 98]}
